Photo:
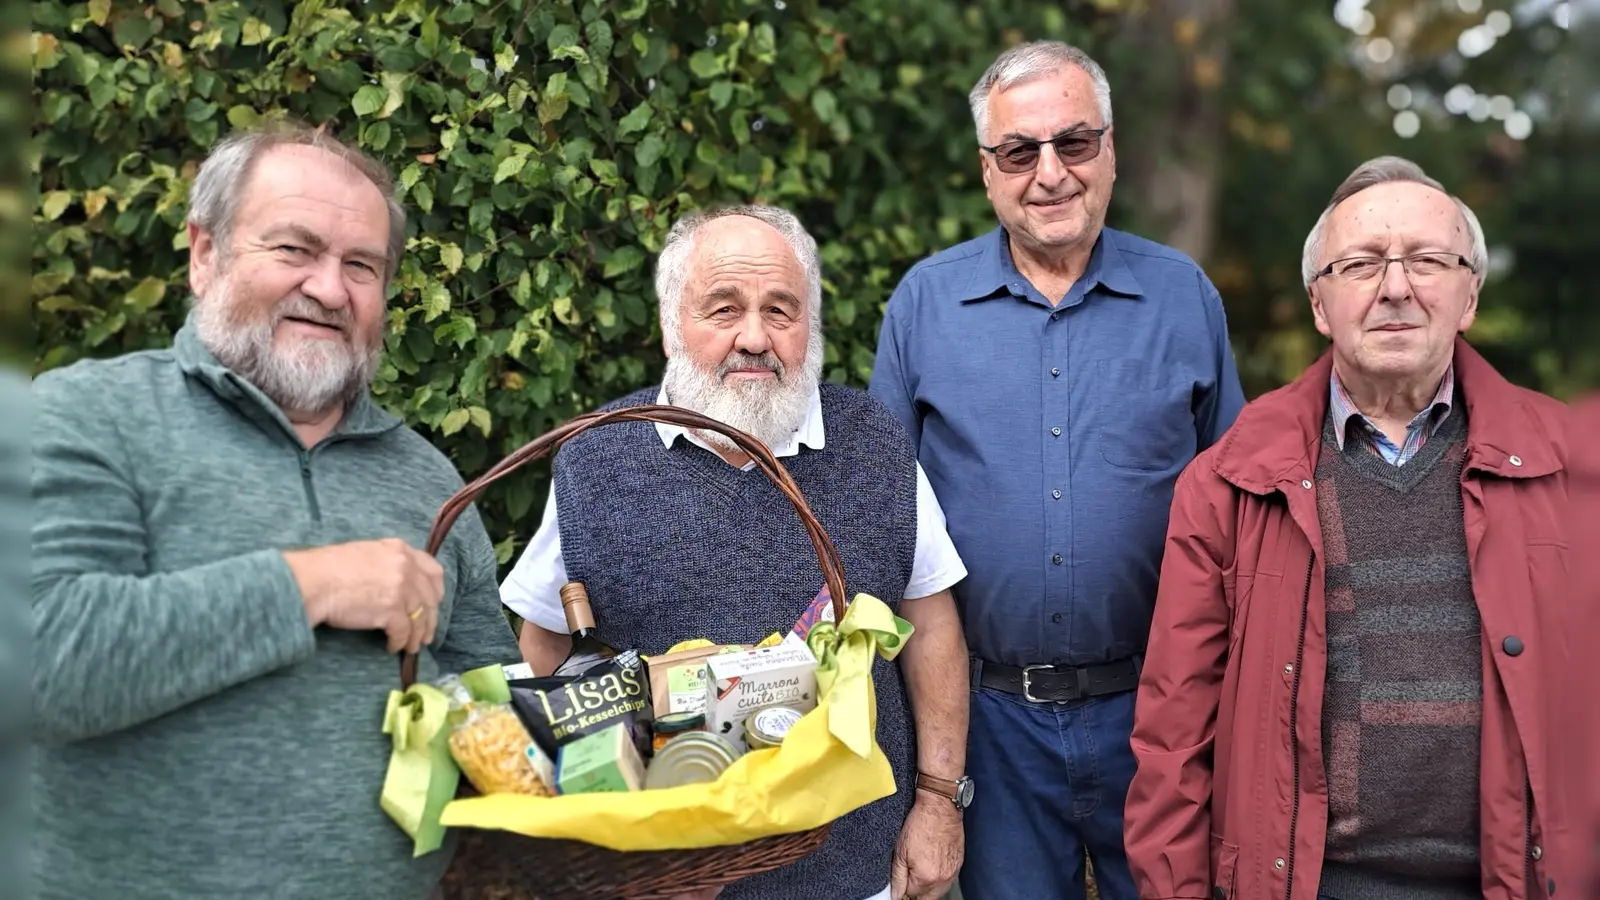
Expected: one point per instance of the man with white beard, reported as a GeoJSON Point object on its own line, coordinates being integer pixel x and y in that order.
{"type": "Point", "coordinates": [226, 560]}
{"type": "Point", "coordinates": [678, 535]}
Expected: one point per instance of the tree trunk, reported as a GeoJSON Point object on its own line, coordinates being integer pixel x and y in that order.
{"type": "Point", "coordinates": [1175, 55]}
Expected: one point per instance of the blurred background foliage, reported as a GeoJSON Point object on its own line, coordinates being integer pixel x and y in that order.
{"type": "Point", "coordinates": [545, 147]}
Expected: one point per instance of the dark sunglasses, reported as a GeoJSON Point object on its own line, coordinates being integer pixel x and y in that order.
{"type": "Point", "coordinates": [1072, 148]}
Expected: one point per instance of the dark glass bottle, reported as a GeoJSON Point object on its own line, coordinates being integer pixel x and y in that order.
{"type": "Point", "coordinates": [587, 647]}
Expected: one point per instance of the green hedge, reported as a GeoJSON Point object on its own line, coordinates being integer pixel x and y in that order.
{"type": "Point", "coordinates": [544, 149]}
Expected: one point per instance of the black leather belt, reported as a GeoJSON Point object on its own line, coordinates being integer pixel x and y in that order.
{"type": "Point", "coordinates": [1057, 684]}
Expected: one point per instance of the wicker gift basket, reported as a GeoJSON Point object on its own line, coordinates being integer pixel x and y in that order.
{"type": "Point", "coordinates": [501, 865]}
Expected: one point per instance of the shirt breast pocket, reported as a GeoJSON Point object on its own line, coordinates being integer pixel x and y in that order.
{"type": "Point", "coordinates": [1144, 420]}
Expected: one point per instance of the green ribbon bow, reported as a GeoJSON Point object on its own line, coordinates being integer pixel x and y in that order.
{"type": "Point", "coordinates": [844, 666]}
{"type": "Point", "coordinates": [422, 775]}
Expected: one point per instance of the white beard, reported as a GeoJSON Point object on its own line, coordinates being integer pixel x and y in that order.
{"type": "Point", "coordinates": [310, 376]}
{"type": "Point", "coordinates": [771, 411]}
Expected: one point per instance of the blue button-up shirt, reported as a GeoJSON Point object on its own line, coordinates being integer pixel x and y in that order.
{"type": "Point", "coordinates": [1052, 435]}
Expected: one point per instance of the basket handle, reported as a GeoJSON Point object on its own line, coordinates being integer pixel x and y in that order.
{"type": "Point", "coordinates": [827, 555]}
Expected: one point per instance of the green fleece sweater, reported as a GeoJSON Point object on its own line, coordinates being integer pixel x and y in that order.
{"type": "Point", "coordinates": [195, 737]}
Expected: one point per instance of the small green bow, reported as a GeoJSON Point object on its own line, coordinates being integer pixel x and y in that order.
{"type": "Point", "coordinates": [422, 775]}
{"type": "Point", "coordinates": [844, 666]}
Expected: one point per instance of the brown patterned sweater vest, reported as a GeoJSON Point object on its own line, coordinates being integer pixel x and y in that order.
{"type": "Point", "coordinates": [1401, 721]}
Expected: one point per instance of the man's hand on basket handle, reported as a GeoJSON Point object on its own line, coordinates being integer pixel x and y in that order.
{"type": "Point", "coordinates": [930, 850]}
{"type": "Point", "coordinates": [384, 585]}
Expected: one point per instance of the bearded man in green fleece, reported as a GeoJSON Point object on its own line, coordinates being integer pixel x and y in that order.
{"type": "Point", "coordinates": [226, 560]}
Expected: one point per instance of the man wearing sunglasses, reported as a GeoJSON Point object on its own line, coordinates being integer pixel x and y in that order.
{"type": "Point", "coordinates": [1055, 376]}
{"type": "Point", "coordinates": [1359, 679]}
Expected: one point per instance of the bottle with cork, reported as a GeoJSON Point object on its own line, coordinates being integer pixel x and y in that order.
{"type": "Point", "coordinates": [587, 647]}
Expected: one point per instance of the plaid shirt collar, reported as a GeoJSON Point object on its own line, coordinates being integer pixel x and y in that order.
{"type": "Point", "coordinates": [1343, 409]}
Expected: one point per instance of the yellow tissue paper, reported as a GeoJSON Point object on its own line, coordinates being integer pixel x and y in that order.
{"type": "Point", "coordinates": [828, 765]}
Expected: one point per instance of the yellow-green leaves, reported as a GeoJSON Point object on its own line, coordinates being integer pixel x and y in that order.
{"type": "Point", "coordinates": [435, 301]}
{"type": "Point", "coordinates": [147, 294]}
{"type": "Point", "coordinates": [53, 204]}
{"type": "Point", "coordinates": [451, 256]}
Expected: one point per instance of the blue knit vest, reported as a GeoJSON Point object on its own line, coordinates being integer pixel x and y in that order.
{"type": "Point", "coordinates": [674, 543]}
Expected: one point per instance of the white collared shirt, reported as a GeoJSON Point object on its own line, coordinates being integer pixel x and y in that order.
{"type": "Point", "coordinates": [533, 589]}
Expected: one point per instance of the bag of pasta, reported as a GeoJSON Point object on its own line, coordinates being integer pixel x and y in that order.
{"type": "Point", "coordinates": [496, 753]}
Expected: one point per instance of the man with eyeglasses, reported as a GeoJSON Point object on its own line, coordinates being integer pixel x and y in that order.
{"type": "Point", "coordinates": [1363, 627]}
{"type": "Point", "coordinates": [1055, 376]}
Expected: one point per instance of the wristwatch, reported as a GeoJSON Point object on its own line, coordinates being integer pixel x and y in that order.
{"type": "Point", "coordinates": [958, 792]}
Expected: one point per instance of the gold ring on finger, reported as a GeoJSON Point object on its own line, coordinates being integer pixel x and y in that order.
{"type": "Point", "coordinates": [416, 614]}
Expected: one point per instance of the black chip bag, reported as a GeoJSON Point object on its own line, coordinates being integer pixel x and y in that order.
{"type": "Point", "coordinates": [558, 710]}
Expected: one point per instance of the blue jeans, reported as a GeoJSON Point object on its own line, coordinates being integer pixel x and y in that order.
{"type": "Point", "coordinates": [1051, 781]}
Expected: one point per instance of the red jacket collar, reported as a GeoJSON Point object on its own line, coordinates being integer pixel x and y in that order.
{"type": "Point", "coordinates": [1276, 437]}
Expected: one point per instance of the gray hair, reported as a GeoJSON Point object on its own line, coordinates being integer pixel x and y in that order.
{"type": "Point", "coordinates": [672, 267]}
{"type": "Point", "coordinates": [215, 195]}
{"type": "Point", "coordinates": [1388, 170]}
{"type": "Point", "coordinates": [1029, 62]}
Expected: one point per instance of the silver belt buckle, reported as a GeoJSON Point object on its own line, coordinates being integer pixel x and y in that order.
{"type": "Point", "coordinates": [1027, 684]}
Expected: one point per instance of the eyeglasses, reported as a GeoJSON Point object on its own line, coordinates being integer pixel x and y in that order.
{"type": "Point", "coordinates": [1072, 148]}
{"type": "Point", "coordinates": [1419, 267]}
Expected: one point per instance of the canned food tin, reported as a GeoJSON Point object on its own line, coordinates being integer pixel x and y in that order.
{"type": "Point", "coordinates": [769, 725]}
{"type": "Point", "coordinates": [690, 758]}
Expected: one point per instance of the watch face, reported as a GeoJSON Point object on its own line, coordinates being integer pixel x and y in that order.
{"type": "Point", "coordinates": [964, 789]}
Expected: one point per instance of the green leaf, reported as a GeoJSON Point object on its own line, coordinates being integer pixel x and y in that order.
{"type": "Point", "coordinates": [254, 32]}
{"type": "Point", "coordinates": [481, 215]}
{"type": "Point", "coordinates": [721, 93]}
{"type": "Point", "coordinates": [243, 117]}
{"type": "Point", "coordinates": [451, 256]}
{"type": "Point", "coordinates": [562, 35]}
{"type": "Point", "coordinates": [561, 307]}
{"type": "Point", "coordinates": [571, 51]}
{"type": "Point", "coordinates": [825, 104]}
{"type": "Point", "coordinates": [55, 203]}
{"type": "Point", "coordinates": [505, 549]}
{"type": "Point", "coordinates": [605, 170]}
{"type": "Point", "coordinates": [480, 417]}
{"type": "Point", "coordinates": [409, 175]}
{"type": "Point", "coordinates": [705, 64]}
{"type": "Point", "coordinates": [553, 103]}
{"type": "Point", "coordinates": [516, 96]}
{"type": "Point", "coordinates": [47, 51]}
{"type": "Point", "coordinates": [650, 64]}
{"type": "Point", "coordinates": [505, 58]}
{"type": "Point", "coordinates": [147, 294]}
{"type": "Point", "coordinates": [377, 135]}
{"type": "Point", "coordinates": [394, 84]}
{"type": "Point", "coordinates": [99, 10]}
{"type": "Point", "coordinates": [134, 31]}
{"type": "Point", "coordinates": [623, 259]}
{"type": "Point", "coordinates": [649, 150]}
{"type": "Point", "coordinates": [635, 120]}
{"type": "Point", "coordinates": [454, 421]}
{"type": "Point", "coordinates": [460, 331]}
{"type": "Point", "coordinates": [435, 301]}
{"type": "Point", "coordinates": [423, 194]}
{"type": "Point", "coordinates": [368, 100]}
{"type": "Point", "coordinates": [509, 167]}
{"type": "Point", "coordinates": [601, 39]}
{"type": "Point", "coordinates": [522, 291]}
{"type": "Point", "coordinates": [430, 36]}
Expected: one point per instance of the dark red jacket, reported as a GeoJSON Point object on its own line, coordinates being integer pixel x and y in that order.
{"type": "Point", "coordinates": [1230, 798]}
{"type": "Point", "coordinates": [1582, 684]}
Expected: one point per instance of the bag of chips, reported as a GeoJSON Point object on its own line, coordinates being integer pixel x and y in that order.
{"type": "Point", "coordinates": [559, 710]}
